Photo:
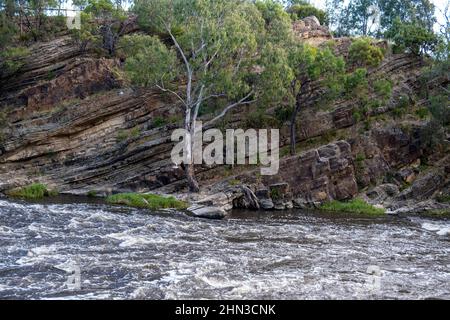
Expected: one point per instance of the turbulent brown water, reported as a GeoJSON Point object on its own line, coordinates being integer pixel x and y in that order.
{"type": "Point", "coordinates": [134, 254]}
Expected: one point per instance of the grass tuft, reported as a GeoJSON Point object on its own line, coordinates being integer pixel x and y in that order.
{"type": "Point", "coordinates": [33, 191]}
{"type": "Point", "coordinates": [150, 201]}
{"type": "Point", "coordinates": [353, 206]}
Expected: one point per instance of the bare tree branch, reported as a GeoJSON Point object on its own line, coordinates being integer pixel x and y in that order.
{"type": "Point", "coordinates": [188, 67]}
{"type": "Point", "coordinates": [162, 88]}
{"type": "Point", "coordinates": [231, 106]}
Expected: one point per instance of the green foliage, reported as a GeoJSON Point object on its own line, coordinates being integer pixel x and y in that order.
{"type": "Point", "coordinates": [275, 194]}
{"type": "Point", "coordinates": [403, 102]}
{"type": "Point", "coordinates": [290, 70]}
{"type": "Point", "coordinates": [33, 191]}
{"type": "Point", "coordinates": [234, 182]}
{"type": "Point", "coordinates": [149, 61]}
{"type": "Point", "coordinates": [443, 198]}
{"type": "Point", "coordinates": [358, 17]}
{"type": "Point", "coordinates": [92, 194]}
{"type": "Point", "coordinates": [159, 122]}
{"type": "Point", "coordinates": [432, 135]}
{"type": "Point", "coordinates": [401, 107]}
{"type": "Point", "coordinates": [277, 75]}
{"type": "Point", "coordinates": [150, 201]}
{"type": "Point", "coordinates": [271, 11]}
{"type": "Point", "coordinates": [8, 30]}
{"type": "Point", "coordinates": [283, 114]}
{"type": "Point", "coordinates": [12, 59]}
{"type": "Point", "coordinates": [102, 23]}
{"type": "Point", "coordinates": [87, 33]}
{"type": "Point", "coordinates": [36, 22]}
{"type": "Point", "coordinates": [439, 109]}
{"type": "Point", "coordinates": [421, 12]}
{"type": "Point", "coordinates": [363, 52]}
{"type": "Point", "coordinates": [278, 24]}
{"type": "Point", "coordinates": [356, 81]}
{"type": "Point", "coordinates": [422, 113]}
{"type": "Point", "coordinates": [357, 115]}
{"type": "Point", "coordinates": [99, 7]}
{"type": "Point", "coordinates": [175, 118]}
{"type": "Point", "coordinates": [260, 120]}
{"type": "Point", "coordinates": [219, 40]}
{"type": "Point", "coordinates": [360, 157]}
{"type": "Point", "coordinates": [354, 206]}
{"type": "Point", "coordinates": [383, 88]}
{"type": "Point", "coordinates": [301, 11]}
{"type": "Point", "coordinates": [135, 132]}
{"type": "Point", "coordinates": [374, 104]}
{"type": "Point", "coordinates": [123, 135]}
{"type": "Point", "coordinates": [411, 37]}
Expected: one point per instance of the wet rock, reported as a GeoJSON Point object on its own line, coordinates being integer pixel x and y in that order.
{"type": "Point", "coordinates": [266, 204]}
{"type": "Point", "coordinates": [201, 211]}
{"type": "Point", "coordinates": [424, 187]}
{"type": "Point", "coordinates": [301, 203]}
{"type": "Point", "coordinates": [263, 193]}
{"type": "Point", "coordinates": [315, 176]}
{"type": "Point", "coordinates": [407, 175]}
{"type": "Point", "coordinates": [248, 200]}
{"type": "Point", "coordinates": [264, 200]}
{"type": "Point", "coordinates": [414, 207]}
{"type": "Point", "coordinates": [223, 200]}
{"type": "Point", "coordinates": [382, 194]}
{"type": "Point", "coordinates": [281, 196]}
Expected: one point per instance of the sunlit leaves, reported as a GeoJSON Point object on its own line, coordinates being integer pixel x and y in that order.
{"type": "Point", "coordinates": [150, 62]}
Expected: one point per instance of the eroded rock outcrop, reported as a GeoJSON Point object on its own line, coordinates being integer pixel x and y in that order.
{"type": "Point", "coordinates": [310, 31]}
{"type": "Point", "coordinates": [73, 125]}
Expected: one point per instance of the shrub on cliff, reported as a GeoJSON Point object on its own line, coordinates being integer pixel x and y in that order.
{"type": "Point", "coordinates": [383, 87]}
{"type": "Point", "coordinates": [8, 29]}
{"type": "Point", "coordinates": [356, 81]}
{"type": "Point", "coordinates": [12, 59]}
{"type": "Point", "coordinates": [102, 23]}
{"type": "Point", "coordinates": [363, 52]}
{"type": "Point", "coordinates": [305, 9]}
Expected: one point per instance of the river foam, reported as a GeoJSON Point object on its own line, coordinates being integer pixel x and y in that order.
{"type": "Point", "coordinates": [138, 254]}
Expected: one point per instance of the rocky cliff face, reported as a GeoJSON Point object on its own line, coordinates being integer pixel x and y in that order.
{"type": "Point", "coordinates": [72, 124]}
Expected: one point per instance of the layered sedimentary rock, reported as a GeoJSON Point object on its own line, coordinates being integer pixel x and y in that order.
{"type": "Point", "coordinates": [310, 31]}
{"type": "Point", "coordinates": [72, 123]}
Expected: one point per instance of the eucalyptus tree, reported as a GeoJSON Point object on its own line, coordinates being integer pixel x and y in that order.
{"type": "Point", "coordinates": [374, 17]}
{"type": "Point", "coordinates": [214, 46]}
{"type": "Point", "coordinates": [310, 64]}
{"type": "Point", "coordinates": [291, 67]}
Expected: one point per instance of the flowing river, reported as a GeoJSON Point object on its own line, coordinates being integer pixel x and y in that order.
{"type": "Point", "coordinates": [85, 250]}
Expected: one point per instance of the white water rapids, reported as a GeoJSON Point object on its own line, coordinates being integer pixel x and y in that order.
{"type": "Point", "coordinates": [124, 253]}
